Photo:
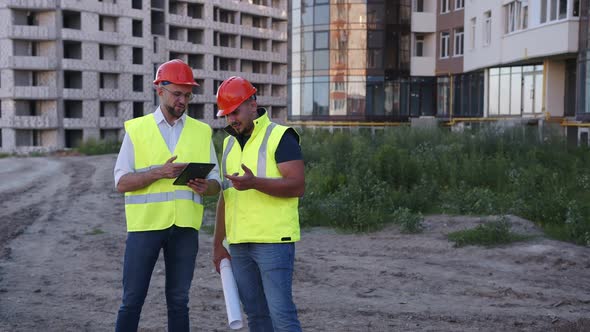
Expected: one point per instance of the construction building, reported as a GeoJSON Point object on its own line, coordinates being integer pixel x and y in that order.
{"type": "Point", "coordinates": [74, 70]}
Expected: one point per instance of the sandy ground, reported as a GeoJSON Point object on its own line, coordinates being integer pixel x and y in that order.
{"type": "Point", "coordinates": [62, 237]}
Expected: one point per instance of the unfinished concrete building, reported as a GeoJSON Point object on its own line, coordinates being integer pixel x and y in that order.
{"type": "Point", "coordinates": [75, 70]}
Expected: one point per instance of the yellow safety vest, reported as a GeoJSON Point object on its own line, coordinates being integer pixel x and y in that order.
{"type": "Point", "coordinates": [162, 204]}
{"type": "Point", "coordinates": [251, 215]}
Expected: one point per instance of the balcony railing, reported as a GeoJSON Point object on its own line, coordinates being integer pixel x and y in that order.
{"type": "Point", "coordinates": [31, 4]}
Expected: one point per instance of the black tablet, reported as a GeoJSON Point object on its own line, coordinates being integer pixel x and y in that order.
{"type": "Point", "coordinates": [193, 171]}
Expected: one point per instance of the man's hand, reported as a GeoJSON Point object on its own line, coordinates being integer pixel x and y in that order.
{"type": "Point", "coordinates": [135, 181]}
{"type": "Point", "coordinates": [170, 170]}
{"type": "Point", "coordinates": [199, 186]}
{"type": "Point", "coordinates": [244, 182]}
{"type": "Point", "coordinates": [219, 253]}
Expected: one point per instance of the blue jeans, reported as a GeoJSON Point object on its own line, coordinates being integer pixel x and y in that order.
{"type": "Point", "coordinates": [264, 275]}
{"type": "Point", "coordinates": [141, 253]}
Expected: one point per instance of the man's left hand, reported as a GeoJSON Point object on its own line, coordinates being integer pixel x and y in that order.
{"type": "Point", "coordinates": [198, 185]}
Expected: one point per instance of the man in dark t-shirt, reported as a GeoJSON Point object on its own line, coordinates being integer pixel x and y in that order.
{"type": "Point", "coordinates": [258, 210]}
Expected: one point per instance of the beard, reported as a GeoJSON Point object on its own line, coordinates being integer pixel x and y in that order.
{"type": "Point", "coordinates": [174, 112]}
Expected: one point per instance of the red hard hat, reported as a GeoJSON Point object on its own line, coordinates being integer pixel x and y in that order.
{"type": "Point", "coordinates": [232, 93]}
{"type": "Point", "coordinates": [176, 72]}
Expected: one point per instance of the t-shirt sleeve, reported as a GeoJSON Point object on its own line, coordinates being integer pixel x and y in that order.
{"type": "Point", "coordinates": [289, 148]}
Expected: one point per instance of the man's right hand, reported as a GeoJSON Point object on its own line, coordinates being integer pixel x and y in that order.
{"type": "Point", "coordinates": [219, 253]}
{"type": "Point", "coordinates": [170, 170]}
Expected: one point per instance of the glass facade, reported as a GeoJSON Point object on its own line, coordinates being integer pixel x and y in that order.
{"type": "Point", "coordinates": [350, 60]}
{"type": "Point", "coordinates": [583, 66]}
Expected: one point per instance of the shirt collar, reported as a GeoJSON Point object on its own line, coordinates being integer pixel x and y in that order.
{"type": "Point", "coordinates": [159, 117]}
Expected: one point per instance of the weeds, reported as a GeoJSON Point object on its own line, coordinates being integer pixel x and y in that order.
{"type": "Point", "coordinates": [95, 147]}
{"type": "Point", "coordinates": [490, 234]}
{"type": "Point", "coordinates": [358, 181]}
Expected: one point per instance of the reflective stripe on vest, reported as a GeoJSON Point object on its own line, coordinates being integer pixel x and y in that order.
{"type": "Point", "coordinates": [164, 197]}
{"type": "Point", "coordinates": [261, 168]}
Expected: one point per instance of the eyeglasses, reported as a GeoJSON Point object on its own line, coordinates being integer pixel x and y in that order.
{"type": "Point", "coordinates": [177, 94]}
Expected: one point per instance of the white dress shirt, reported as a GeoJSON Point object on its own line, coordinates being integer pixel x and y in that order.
{"type": "Point", "coordinates": [171, 133]}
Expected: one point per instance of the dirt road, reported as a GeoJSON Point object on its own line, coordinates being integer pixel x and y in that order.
{"type": "Point", "coordinates": [62, 237]}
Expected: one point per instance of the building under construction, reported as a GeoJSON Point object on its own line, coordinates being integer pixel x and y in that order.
{"type": "Point", "coordinates": [75, 70]}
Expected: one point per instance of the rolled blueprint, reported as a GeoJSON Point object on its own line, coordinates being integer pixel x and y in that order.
{"type": "Point", "coordinates": [230, 292]}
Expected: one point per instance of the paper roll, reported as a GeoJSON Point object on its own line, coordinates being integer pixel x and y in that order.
{"type": "Point", "coordinates": [230, 293]}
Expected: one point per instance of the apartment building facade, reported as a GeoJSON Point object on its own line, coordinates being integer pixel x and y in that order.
{"type": "Point", "coordinates": [74, 70]}
{"type": "Point", "coordinates": [469, 60]}
{"type": "Point", "coordinates": [350, 60]}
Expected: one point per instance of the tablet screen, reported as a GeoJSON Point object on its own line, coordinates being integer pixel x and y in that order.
{"type": "Point", "coordinates": [193, 171]}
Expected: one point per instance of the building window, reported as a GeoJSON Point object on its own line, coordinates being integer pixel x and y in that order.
{"type": "Point", "coordinates": [516, 16]}
{"type": "Point", "coordinates": [459, 4]}
{"type": "Point", "coordinates": [552, 10]}
{"type": "Point", "coordinates": [419, 46]}
{"type": "Point", "coordinates": [473, 32]}
{"type": "Point", "coordinates": [459, 42]}
{"type": "Point", "coordinates": [137, 83]}
{"type": "Point", "coordinates": [445, 6]}
{"type": "Point", "coordinates": [444, 45]}
{"type": "Point", "coordinates": [419, 6]}
{"type": "Point", "coordinates": [576, 9]}
{"type": "Point", "coordinates": [487, 28]}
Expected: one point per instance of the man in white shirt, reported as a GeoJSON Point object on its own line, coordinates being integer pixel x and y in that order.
{"type": "Point", "coordinates": [161, 215]}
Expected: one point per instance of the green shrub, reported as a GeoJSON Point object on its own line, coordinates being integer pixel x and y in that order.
{"type": "Point", "coordinates": [492, 233]}
{"type": "Point", "coordinates": [95, 147]}
{"type": "Point", "coordinates": [409, 222]}
{"type": "Point", "coordinates": [356, 179]}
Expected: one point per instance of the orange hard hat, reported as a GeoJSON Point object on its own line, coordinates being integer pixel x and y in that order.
{"type": "Point", "coordinates": [232, 93]}
{"type": "Point", "coordinates": [176, 72]}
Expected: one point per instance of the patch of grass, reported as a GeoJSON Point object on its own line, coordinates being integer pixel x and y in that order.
{"type": "Point", "coordinates": [490, 234]}
{"type": "Point", "coordinates": [95, 231]}
{"type": "Point", "coordinates": [96, 147]}
{"type": "Point", "coordinates": [409, 222]}
{"type": "Point", "coordinates": [37, 154]}
{"type": "Point", "coordinates": [4, 155]}
{"type": "Point", "coordinates": [356, 180]}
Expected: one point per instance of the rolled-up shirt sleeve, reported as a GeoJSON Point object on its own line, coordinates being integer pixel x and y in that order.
{"type": "Point", "coordinates": [125, 160]}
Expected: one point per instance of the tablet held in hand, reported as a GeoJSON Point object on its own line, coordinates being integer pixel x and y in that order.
{"type": "Point", "coordinates": [193, 171]}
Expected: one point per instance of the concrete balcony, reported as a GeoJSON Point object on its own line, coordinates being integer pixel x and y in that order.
{"type": "Point", "coordinates": [75, 123]}
{"type": "Point", "coordinates": [111, 94]}
{"type": "Point", "coordinates": [558, 38]}
{"type": "Point", "coordinates": [76, 64]}
{"type": "Point", "coordinates": [111, 122]}
{"type": "Point", "coordinates": [34, 92]}
{"type": "Point", "coordinates": [422, 66]}
{"type": "Point", "coordinates": [79, 93]}
{"type": "Point", "coordinates": [32, 32]}
{"type": "Point", "coordinates": [32, 62]}
{"type": "Point", "coordinates": [183, 46]}
{"type": "Point", "coordinates": [33, 122]}
{"type": "Point", "coordinates": [31, 4]}
{"type": "Point", "coordinates": [271, 101]}
{"type": "Point", "coordinates": [73, 34]}
{"type": "Point", "coordinates": [250, 54]}
{"type": "Point", "coordinates": [423, 22]}
{"type": "Point", "coordinates": [186, 21]}
{"type": "Point", "coordinates": [263, 11]}
{"type": "Point", "coordinates": [111, 37]}
{"type": "Point", "coordinates": [203, 99]}
{"type": "Point", "coordinates": [109, 66]}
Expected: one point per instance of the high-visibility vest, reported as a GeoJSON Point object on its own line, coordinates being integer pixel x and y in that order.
{"type": "Point", "coordinates": [251, 215]}
{"type": "Point", "coordinates": [162, 204]}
